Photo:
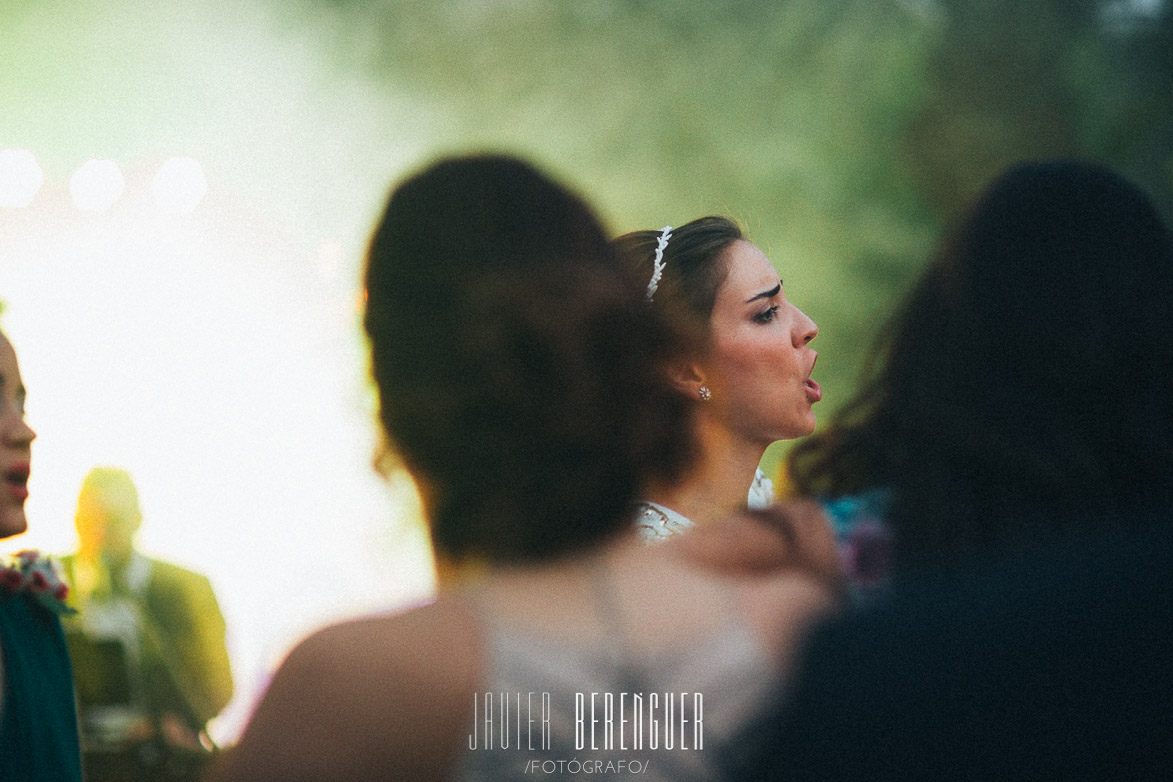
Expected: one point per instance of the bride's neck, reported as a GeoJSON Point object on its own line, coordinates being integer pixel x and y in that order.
{"type": "Point", "coordinates": [719, 481]}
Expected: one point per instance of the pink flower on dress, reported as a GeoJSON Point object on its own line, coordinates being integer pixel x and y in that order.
{"type": "Point", "coordinates": [11, 579]}
{"type": "Point", "coordinates": [38, 584]}
{"type": "Point", "coordinates": [27, 571]}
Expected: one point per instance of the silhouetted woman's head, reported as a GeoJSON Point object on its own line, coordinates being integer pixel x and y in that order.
{"type": "Point", "coordinates": [517, 363]}
{"type": "Point", "coordinates": [1029, 375]}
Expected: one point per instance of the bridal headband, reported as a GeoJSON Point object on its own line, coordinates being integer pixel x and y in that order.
{"type": "Point", "coordinates": [658, 263]}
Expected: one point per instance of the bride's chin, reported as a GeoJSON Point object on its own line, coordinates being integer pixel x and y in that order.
{"type": "Point", "coordinates": [812, 422]}
{"type": "Point", "coordinates": [807, 427]}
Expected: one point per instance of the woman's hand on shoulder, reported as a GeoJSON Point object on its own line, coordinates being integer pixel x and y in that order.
{"type": "Point", "coordinates": [792, 536]}
{"type": "Point", "coordinates": [785, 564]}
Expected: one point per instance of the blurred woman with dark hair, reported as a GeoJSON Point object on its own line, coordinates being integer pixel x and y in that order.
{"type": "Point", "coordinates": [1024, 388]}
{"type": "Point", "coordinates": [1014, 453]}
{"type": "Point", "coordinates": [520, 379]}
{"type": "Point", "coordinates": [747, 369]}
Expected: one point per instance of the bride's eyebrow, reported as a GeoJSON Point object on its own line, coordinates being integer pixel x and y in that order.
{"type": "Point", "coordinates": [766, 294]}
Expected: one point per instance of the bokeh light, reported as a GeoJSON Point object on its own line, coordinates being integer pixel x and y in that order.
{"type": "Point", "coordinates": [20, 177]}
{"type": "Point", "coordinates": [97, 185]}
{"type": "Point", "coordinates": [179, 186]}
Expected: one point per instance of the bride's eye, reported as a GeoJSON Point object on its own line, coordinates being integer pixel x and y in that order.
{"type": "Point", "coordinates": [767, 315]}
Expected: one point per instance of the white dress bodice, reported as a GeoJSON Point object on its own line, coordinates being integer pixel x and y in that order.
{"type": "Point", "coordinates": [655, 522]}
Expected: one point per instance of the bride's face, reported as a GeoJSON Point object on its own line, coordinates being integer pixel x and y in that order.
{"type": "Point", "coordinates": [759, 360]}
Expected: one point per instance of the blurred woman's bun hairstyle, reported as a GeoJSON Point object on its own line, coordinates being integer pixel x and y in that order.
{"type": "Point", "coordinates": [517, 361]}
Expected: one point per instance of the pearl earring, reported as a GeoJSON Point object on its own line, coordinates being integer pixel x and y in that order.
{"type": "Point", "coordinates": [705, 393]}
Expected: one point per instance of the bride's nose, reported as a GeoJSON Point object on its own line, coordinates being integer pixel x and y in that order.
{"type": "Point", "coordinates": [805, 329]}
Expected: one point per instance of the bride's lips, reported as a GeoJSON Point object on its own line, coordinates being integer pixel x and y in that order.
{"type": "Point", "coordinates": [814, 391]}
{"type": "Point", "coordinates": [16, 479]}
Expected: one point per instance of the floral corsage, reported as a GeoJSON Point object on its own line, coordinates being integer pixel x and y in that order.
{"type": "Point", "coordinates": [28, 571]}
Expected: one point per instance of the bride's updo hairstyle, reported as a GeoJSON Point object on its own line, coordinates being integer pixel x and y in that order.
{"type": "Point", "coordinates": [517, 363]}
{"type": "Point", "coordinates": [693, 263]}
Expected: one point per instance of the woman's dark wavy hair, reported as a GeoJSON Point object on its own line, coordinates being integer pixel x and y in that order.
{"type": "Point", "coordinates": [517, 362]}
{"type": "Point", "coordinates": [694, 267]}
{"type": "Point", "coordinates": [1026, 384]}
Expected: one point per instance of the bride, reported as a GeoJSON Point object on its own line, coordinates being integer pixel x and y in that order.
{"type": "Point", "coordinates": [749, 374]}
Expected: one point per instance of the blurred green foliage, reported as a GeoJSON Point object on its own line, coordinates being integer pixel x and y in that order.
{"type": "Point", "coordinates": [846, 134]}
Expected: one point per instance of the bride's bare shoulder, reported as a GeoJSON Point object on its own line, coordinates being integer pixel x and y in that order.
{"type": "Point", "coordinates": [365, 698]}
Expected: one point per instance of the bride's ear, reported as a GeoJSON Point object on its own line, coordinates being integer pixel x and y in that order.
{"type": "Point", "coordinates": [687, 378]}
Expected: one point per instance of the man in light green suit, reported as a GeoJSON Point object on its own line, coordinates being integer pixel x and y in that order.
{"type": "Point", "coordinates": [148, 643]}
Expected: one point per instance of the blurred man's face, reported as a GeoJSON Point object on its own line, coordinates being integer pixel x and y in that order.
{"type": "Point", "coordinates": [106, 520]}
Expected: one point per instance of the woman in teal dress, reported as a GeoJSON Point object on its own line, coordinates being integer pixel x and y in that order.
{"type": "Point", "coordinates": [38, 718]}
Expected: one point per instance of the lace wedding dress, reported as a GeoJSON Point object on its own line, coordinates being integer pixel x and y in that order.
{"type": "Point", "coordinates": [656, 522]}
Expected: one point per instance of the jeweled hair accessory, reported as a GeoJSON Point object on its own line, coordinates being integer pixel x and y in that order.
{"type": "Point", "coordinates": [658, 263]}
